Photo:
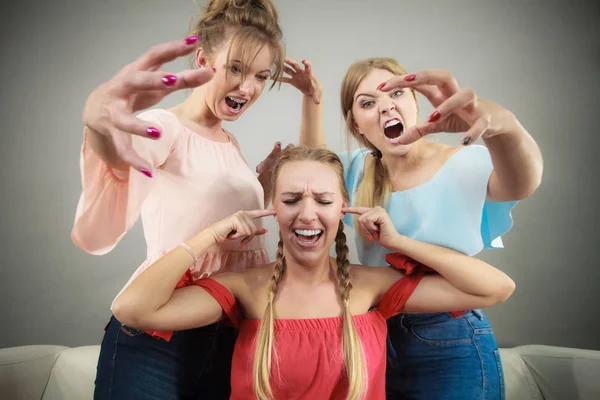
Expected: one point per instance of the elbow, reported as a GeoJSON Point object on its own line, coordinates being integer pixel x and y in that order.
{"type": "Point", "coordinates": [504, 291]}
{"type": "Point", "coordinates": [125, 312]}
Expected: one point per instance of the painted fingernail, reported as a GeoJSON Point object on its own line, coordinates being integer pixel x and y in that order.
{"type": "Point", "coordinates": [381, 86]}
{"type": "Point", "coordinates": [370, 238]}
{"type": "Point", "coordinates": [434, 116]}
{"type": "Point", "coordinates": [466, 141]}
{"type": "Point", "coordinates": [146, 172]}
{"type": "Point", "coordinates": [242, 245]}
{"type": "Point", "coordinates": [169, 80]}
{"type": "Point", "coordinates": [191, 39]}
{"type": "Point", "coordinates": [152, 131]}
{"type": "Point", "coordinates": [410, 78]}
{"type": "Point", "coordinates": [214, 69]}
{"type": "Point", "coordinates": [278, 145]}
{"type": "Point", "coordinates": [266, 230]}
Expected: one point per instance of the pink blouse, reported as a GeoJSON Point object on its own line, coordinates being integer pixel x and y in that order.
{"type": "Point", "coordinates": [196, 182]}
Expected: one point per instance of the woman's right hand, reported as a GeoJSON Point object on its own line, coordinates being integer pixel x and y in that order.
{"type": "Point", "coordinates": [109, 109]}
{"type": "Point", "coordinates": [239, 225]}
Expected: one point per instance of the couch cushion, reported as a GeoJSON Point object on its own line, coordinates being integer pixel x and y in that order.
{"type": "Point", "coordinates": [73, 374]}
{"type": "Point", "coordinates": [24, 370]}
{"type": "Point", "coordinates": [519, 383]}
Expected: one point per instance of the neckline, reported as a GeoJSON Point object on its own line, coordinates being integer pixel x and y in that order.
{"type": "Point", "coordinates": [195, 133]}
{"type": "Point", "coordinates": [433, 177]}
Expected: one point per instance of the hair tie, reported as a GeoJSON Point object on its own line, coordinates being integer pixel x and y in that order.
{"type": "Point", "coordinates": [377, 153]}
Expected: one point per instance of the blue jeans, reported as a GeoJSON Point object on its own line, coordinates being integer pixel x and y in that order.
{"type": "Point", "coordinates": [194, 364]}
{"type": "Point", "coordinates": [438, 357]}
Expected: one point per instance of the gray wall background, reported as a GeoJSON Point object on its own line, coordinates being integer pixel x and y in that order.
{"type": "Point", "coordinates": [539, 59]}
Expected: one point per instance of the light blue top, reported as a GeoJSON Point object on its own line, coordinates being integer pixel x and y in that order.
{"type": "Point", "coordinates": [449, 210]}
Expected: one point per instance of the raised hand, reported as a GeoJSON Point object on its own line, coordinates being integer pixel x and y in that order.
{"type": "Point", "coordinates": [302, 78]}
{"type": "Point", "coordinates": [242, 224]}
{"type": "Point", "coordinates": [457, 109]}
{"type": "Point", "coordinates": [109, 109]}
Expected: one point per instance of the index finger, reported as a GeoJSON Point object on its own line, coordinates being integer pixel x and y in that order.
{"type": "Point", "coordinates": [255, 214]}
{"type": "Point", "coordinates": [440, 78]}
{"type": "Point", "coordinates": [162, 53]}
{"type": "Point", "coordinates": [355, 210]}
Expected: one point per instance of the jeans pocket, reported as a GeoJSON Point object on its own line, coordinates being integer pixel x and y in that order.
{"type": "Point", "coordinates": [131, 332]}
{"type": "Point", "coordinates": [455, 332]}
{"type": "Point", "coordinates": [500, 373]}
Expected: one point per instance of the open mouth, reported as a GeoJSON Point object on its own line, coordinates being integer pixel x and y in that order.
{"type": "Point", "coordinates": [235, 104]}
{"type": "Point", "coordinates": [308, 237]}
{"type": "Point", "coordinates": [393, 130]}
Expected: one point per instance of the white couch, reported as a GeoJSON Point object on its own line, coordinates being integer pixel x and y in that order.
{"type": "Point", "coordinates": [531, 372]}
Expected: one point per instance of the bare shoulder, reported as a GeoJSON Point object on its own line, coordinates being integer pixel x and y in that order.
{"type": "Point", "coordinates": [376, 280]}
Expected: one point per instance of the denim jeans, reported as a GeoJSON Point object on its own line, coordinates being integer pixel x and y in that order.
{"type": "Point", "coordinates": [438, 357]}
{"type": "Point", "coordinates": [194, 364]}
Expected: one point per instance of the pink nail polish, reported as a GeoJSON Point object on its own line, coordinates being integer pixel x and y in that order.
{"type": "Point", "coordinates": [214, 69]}
{"type": "Point", "coordinates": [191, 39]}
{"type": "Point", "coordinates": [381, 86]}
{"type": "Point", "coordinates": [169, 80]}
{"type": "Point", "coordinates": [410, 78]}
{"type": "Point", "coordinates": [152, 131]}
{"type": "Point", "coordinates": [146, 172]}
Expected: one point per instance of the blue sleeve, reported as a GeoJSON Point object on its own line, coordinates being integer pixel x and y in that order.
{"type": "Point", "coordinates": [496, 218]}
{"type": "Point", "coordinates": [354, 165]}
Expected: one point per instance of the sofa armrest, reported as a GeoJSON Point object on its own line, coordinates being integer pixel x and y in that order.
{"type": "Point", "coordinates": [25, 370]}
{"type": "Point", "coordinates": [73, 374]}
{"type": "Point", "coordinates": [563, 373]}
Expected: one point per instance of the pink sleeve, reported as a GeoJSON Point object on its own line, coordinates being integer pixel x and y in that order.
{"type": "Point", "coordinates": [111, 200]}
{"type": "Point", "coordinates": [394, 299]}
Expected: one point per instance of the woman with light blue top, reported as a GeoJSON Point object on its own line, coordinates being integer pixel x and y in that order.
{"type": "Point", "coordinates": [454, 196]}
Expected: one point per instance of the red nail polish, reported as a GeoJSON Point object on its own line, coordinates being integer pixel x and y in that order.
{"type": "Point", "coordinates": [146, 172]}
{"type": "Point", "coordinates": [410, 78]}
{"type": "Point", "coordinates": [242, 245]}
{"type": "Point", "coordinates": [169, 80]}
{"type": "Point", "coordinates": [151, 131]}
{"type": "Point", "coordinates": [370, 238]}
{"type": "Point", "coordinates": [191, 39]}
{"type": "Point", "coordinates": [214, 70]}
{"type": "Point", "coordinates": [381, 86]}
{"type": "Point", "coordinates": [434, 116]}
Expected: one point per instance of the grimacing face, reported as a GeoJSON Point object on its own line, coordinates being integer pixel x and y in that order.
{"type": "Point", "coordinates": [308, 202]}
{"type": "Point", "coordinates": [229, 93]}
{"type": "Point", "coordinates": [382, 116]}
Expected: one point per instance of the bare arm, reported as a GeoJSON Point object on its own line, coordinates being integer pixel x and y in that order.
{"type": "Point", "coordinates": [152, 302]}
{"type": "Point", "coordinates": [312, 133]}
{"type": "Point", "coordinates": [463, 282]}
{"type": "Point", "coordinates": [517, 161]}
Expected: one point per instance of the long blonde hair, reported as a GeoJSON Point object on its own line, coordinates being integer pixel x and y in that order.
{"type": "Point", "coordinates": [353, 352]}
{"type": "Point", "coordinates": [254, 24]}
{"type": "Point", "coordinates": [375, 186]}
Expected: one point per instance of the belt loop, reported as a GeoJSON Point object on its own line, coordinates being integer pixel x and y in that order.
{"type": "Point", "coordinates": [478, 314]}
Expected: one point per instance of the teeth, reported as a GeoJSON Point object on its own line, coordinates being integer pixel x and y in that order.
{"type": "Point", "coordinates": [306, 232]}
{"type": "Point", "coordinates": [239, 101]}
{"type": "Point", "coordinates": [392, 123]}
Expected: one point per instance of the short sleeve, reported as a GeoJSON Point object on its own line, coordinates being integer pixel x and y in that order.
{"type": "Point", "coordinates": [224, 297]}
{"type": "Point", "coordinates": [111, 200]}
{"type": "Point", "coordinates": [396, 297]}
{"type": "Point", "coordinates": [354, 166]}
{"type": "Point", "coordinates": [496, 218]}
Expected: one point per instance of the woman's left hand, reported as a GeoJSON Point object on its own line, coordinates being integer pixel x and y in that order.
{"type": "Point", "coordinates": [302, 78]}
{"type": "Point", "coordinates": [376, 223]}
{"type": "Point", "coordinates": [456, 109]}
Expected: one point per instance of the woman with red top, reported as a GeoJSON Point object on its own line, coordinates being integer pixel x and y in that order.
{"type": "Point", "coordinates": [307, 328]}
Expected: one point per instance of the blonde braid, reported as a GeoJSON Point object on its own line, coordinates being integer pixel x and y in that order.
{"type": "Point", "coordinates": [264, 344]}
{"type": "Point", "coordinates": [353, 352]}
